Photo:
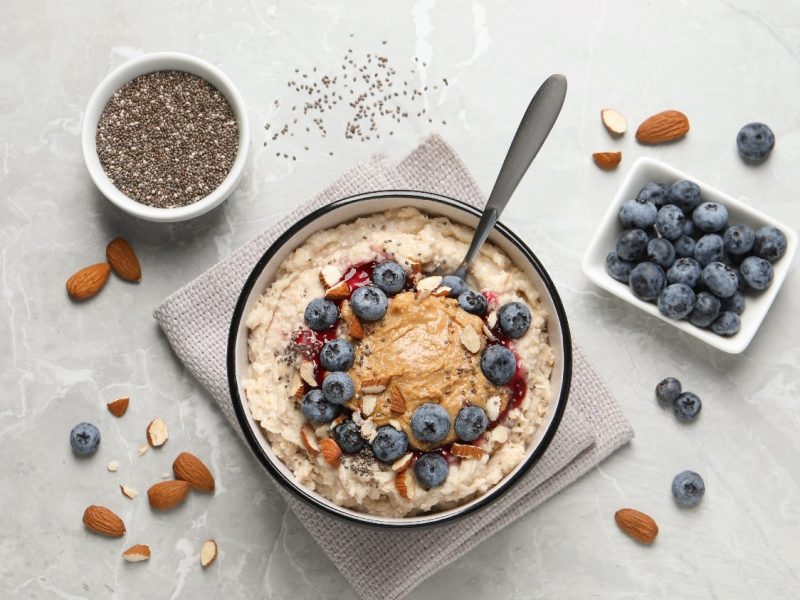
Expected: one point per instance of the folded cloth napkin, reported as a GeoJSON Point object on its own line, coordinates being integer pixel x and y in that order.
{"type": "Point", "coordinates": [196, 319]}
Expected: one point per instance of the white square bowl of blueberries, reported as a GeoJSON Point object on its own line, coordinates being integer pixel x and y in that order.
{"type": "Point", "coordinates": [690, 255]}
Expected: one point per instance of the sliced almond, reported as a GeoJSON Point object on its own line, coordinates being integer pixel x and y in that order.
{"type": "Point", "coordinates": [491, 319]}
{"type": "Point", "coordinates": [354, 327]}
{"type": "Point", "coordinates": [329, 276]}
{"type": "Point", "coordinates": [368, 404]}
{"type": "Point", "coordinates": [466, 451]}
{"type": "Point", "coordinates": [398, 403]}
{"type": "Point", "coordinates": [296, 387]}
{"type": "Point", "coordinates": [119, 406]}
{"type": "Point", "coordinates": [500, 434]}
{"type": "Point", "coordinates": [113, 466]}
{"type": "Point", "coordinates": [137, 553]}
{"type": "Point", "coordinates": [402, 463]}
{"type": "Point", "coordinates": [607, 161]}
{"type": "Point", "coordinates": [307, 373]}
{"type": "Point", "coordinates": [143, 448]}
{"type": "Point", "coordinates": [368, 430]}
{"type": "Point", "coordinates": [128, 491]}
{"type": "Point", "coordinates": [375, 385]}
{"type": "Point", "coordinates": [208, 553]}
{"type": "Point", "coordinates": [493, 408]}
{"type": "Point", "coordinates": [406, 484]}
{"type": "Point", "coordinates": [471, 340]}
{"type": "Point", "coordinates": [416, 267]}
{"type": "Point", "coordinates": [614, 122]}
{"type": "Point", "coordinates": [340, 291]}
{"type": "Point", "coordinates": [442, 291]}
{"type": "Point", "coordinates": [309, 439]}
{"type": "Point", "coordinates": [330, 452]}
{"type": "Point", "coordinates": [157, 433]}
{"type": "Point", "coordinates": [396, 424]}
{"type": "Point", "coordinates": [426, 285]}
{"type": "Point", "coordinates": [338, 421]}
{"type": "Point", "coordinates": [488, 333]}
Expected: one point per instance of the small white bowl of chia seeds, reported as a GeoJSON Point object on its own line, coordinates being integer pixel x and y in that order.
{"type": "Point", "coordinates": [165, 137]}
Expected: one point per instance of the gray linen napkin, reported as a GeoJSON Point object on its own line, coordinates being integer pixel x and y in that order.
{"type": "Point", "coordinates": [196, 319]}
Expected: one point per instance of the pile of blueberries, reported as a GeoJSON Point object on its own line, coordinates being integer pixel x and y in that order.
{"type": "Point", "coordinates": [680, 252]}
{"type": "Point", "coordinates": [429, 422]}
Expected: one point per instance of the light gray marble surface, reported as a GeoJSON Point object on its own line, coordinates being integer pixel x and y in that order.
{"type": "Point", "coordinates": [723, 62]}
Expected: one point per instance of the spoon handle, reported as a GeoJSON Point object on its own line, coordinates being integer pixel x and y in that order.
{"type": "Point", "coordinates": [533, 130]}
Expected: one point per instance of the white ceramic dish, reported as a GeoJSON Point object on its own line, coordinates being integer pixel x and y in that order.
{"type": "Point", "coordinates": [757, 304]}
{"type": "Point", "coordinates": [344, 211]}
{"type": "Point", "coordinates": [149, 63]}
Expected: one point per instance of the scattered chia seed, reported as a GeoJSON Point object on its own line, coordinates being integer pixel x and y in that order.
{"type": "Point", "coordinates": [167, 139]}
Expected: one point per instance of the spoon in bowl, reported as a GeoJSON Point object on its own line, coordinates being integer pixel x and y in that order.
{"type": "Point", "coordinates": [533, 130]}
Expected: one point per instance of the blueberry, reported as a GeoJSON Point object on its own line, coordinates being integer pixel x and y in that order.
{"type": "Point", "coordinates": [369, 303]}
{"type": "Point", "coordinates": [631, 244]}
{"type": "Point", "coordinates": [84, 439]}
{"type": "Point", "coordinates": [742, 286]}
{"type": "Point", "coordinates": [430, 423]}
{"type": "Point", "coordinates": [470, 423]}
{"type": "Point", "coordinates": [720, 279]}
{"type": "Point", "coordinates": [321, 314]}
{"type": "Point", "coordinates": [689, 228]}
{"type": "Point", "coordinates": [337, 355]}
{"type": "Point", "coordinates": [688, 488]}
{"type": "Point", "coordinates": [684, 246]}
{"type": "Point", "coordinates": [653, 192]}
{"type": "Point", "coordinates": [431, 470]}
{"type": "Point", "coordinates": [669, 222]}
{"type": "Point", "coordinates": [348, 436]}
{"type": "Point", "coordinates": [676, 301]}
{"type": "Point", "coordinates": [640, 215]}
{"type": "Point", "coordinates": [498, 364]}
{"type": "Point", "coordinates": [647, 280]}
{"type": "Point", "coordinates": [514, 319]}
{"type": "Point", "coordinates": [390, 444]}
{"type": "Point", "coordinates": [616, 267]}
{"type": "Point", "coordinates": [687, 406]}
{"type": "Point", "coordinates": [708, 249]}
{"type": "Point", "coordinates": [706, 309]}
{"type": "Point", "coordinates": [710, 217]}
{"type": "Point", "coordinates": [337, 387]}
{"type": "Point", "coordinates": [661, 252]}
{"type": "Point", "coordinates": [769, 243]}
{"type": "Point", "coordinates": [389, 276]}
{"type": "Point", "coordinates": [457, 285]}
{"type": "Point", "coordinates": [473, 302]}
{"type": "Point", "coordinates": [733, 303]}
{"type": "Point", "coordinates": [726, 324]}
{"type": "Point", "coordinates": [316, 408]}
{"type": "Point", "coordinates": [756, 272]}
{"type": "Point", "coordinates": [685, 195]}
{"type": "Point", "coordinates": [668, 390]}
{"type": "Point", "coordinates": [755, 141]}
{"type": "Point", "coordinates": [686, 271]}
{"type": "Point", "coordinates": [738, 239]}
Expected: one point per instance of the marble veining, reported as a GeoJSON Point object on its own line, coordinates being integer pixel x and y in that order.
{"type": "Point", "coordinates": [724, 63]}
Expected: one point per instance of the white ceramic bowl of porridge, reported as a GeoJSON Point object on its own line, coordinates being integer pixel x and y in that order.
{"type": "Point", "coordinates": [346, 211]}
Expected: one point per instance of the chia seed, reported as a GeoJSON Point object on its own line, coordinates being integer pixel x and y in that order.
{"type": "Point", "coordinates": [167, 139]}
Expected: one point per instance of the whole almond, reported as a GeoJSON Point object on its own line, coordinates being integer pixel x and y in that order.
{"type": "Point", "coordinates": [118, 407]}
{"type": "Point", "coordinates": [103, 521]}
{"type": "Point", "coordinates": [663, 127]}
{"type": "Point", "coordinates": [330, 452]}
{"type": "Point", "coordinates": [88, 281]}
{"type": "Point", "coordinates": [137, 553]}
{"type": "Point", "coordinates": [191, 469]}
{"type": "Point", "coordinates": [122, 258]}
{"type": "Point", "coordinates": [607, 160]}
{"type": "Point", "coordinates": [637, 525]}
{"type": "Point", "coordinates": [165, 495]}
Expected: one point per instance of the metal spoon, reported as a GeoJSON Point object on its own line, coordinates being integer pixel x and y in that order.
{"type": "Point", "coordinates": [536, 124]}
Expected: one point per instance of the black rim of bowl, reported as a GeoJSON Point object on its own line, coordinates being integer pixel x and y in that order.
{"type": "Point", "coordinates": [297, 489]}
